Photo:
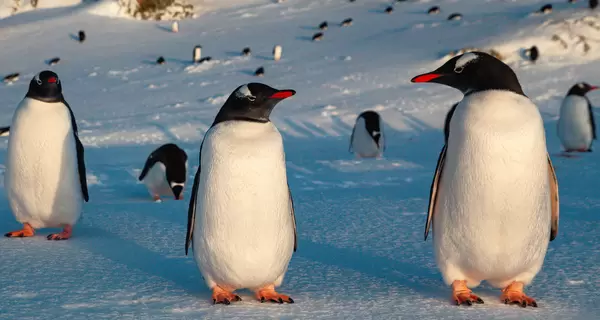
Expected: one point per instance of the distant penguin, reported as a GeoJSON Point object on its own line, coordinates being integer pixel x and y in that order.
{"type": "Point", "coordinates": [175, 27]}
{"type": "Point", "coordinates": [165, 172]}
{"type": "Point", "coordinates": [434, 10]}
{"type": "Point", "coordinates": [45, 175]}
{"type": "Point", "coordinates": [11, 77]}
{"type": "Point", "coordinates": [4, 131]}
{"type": "Point", "coordinates": [54, 61]}
{"type": "Point", "coordinates": [533, 53]}
{"type": "Point", "coordinates": [277, 52]}
{"type": "Point", "coordinates": [246, 51]}
{"type": "Point", "coordinates": [455, 16]}
{"type": "Point", "coordinates": [197, 54]}
{"type": "Point", "coordinates": [81, 36]}
{"type": "Point", "coordinates": [259, 72]}
{"type": "Point", "coordinates": [367, 140]}
{"type": "Point", "coordinates": [160, 60]}
{"type": "Point", "coordinates": [576, 126]}
{"type": "Point", "coordinates": [323, 25]}
{"type": "Point", "coordinates": [545, 9]}
{"type": "Point", "coordinates": [389, 10]}
{"type": "Point", "coordinates": [593, 4]}
{"type": "Point", "coordinates": [241, 221]}
{"type": "Point", "coordinates": [317, 36]}
{"type": "Point", "coordinates": [496, 141]}
{"type": "Point", "coordinates": [347, 22]}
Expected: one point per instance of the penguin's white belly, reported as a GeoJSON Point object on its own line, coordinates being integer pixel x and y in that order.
{"type": "Point", "coordinates": [244, 233]}
{"type": "Point", "coordinates": [41, 178]}
{"type": "Point", "coordinates": [492, 219]}
{"type": "Point", "coordinates": [574, 126]}
{"type": "Point", "coordinates": [156, 181]}
{"type": "Point", "coordinates": [363, 143]}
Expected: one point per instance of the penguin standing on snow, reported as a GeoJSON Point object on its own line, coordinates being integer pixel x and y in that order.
{"type": "Point", "coordinates": [241, 220]}
{"type": "Point", "coordinates": [483, 227]}
{"type": "Point", "coordinates": [45, 169]}
{"type": "Point", "coordinates": [576, 125]}
{"type": "Point", "coordinates": [366, 140]}
{"type": "Point", "coordinates": [165, 172]}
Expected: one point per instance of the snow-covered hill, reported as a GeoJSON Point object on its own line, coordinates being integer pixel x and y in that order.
{"type": "Point", "coordinates": [360, 223]}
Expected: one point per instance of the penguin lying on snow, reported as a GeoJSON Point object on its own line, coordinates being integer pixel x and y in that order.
{"type": "Point", "coordinates": [576, 126]}
{"type": "Point", "coordinates": [165, 172]}
{"type": "Point", "coordinates": [484, 227]}
{"type": "Point", "coordinates": [367, 139]}
{"type": "Point", "coordinates": [241, 220]}
{"type": "Point", "coordinates": [45, 170]}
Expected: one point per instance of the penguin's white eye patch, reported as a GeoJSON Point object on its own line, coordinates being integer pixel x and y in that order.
{"type": "Point", "coordinates": [580, 85]}
{"type": "Point", "coordinates": [245, 93]}
{"type": "Point", "coordinates": [464, 60]}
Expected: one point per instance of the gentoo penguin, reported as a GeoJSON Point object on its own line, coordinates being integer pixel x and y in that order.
{"type": "Point", "coordinates": [447, 122]}
{"type": "Point", "coordinates": [4, 131]}
{"type": "Point", "coordinates": [45, 169]}
{"type": "Point", "coordinates": [165, 172]}
{"type": "Point", "coordinates": [576, 125]}
{"type": "Point", "coordinates": [241, 221]}
{"type": "Point", "coordinates": [366, 140]}
{"type": "Point", "coordinates": [483, 227]}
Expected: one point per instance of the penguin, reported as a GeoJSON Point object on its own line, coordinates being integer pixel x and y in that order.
{"type": "Point", "coordinates": [53, 61]}
{"type": "Point", "coordinates": [81, 36]}
{"type": "Point", "coordinates": [259, 72]}
{"type": "Point", "coordinates": [241, 220]}
{"type": "Point", "coordinates": [533, 53]}
{"type": "Point", "coordinates": [576, 127]}
{"type": "Point", "coordinates": [593, 4]}
{"type": "Point", "coordinates": [389, 10]}
{"type": "Point", "coordinates": [323, 25]}
{"type": "Point", "coordinates": [317, 36]}
{"type": "Point", "coordinates": [246, 51]}
{"type": "Point", "coordinates": [483, 227]}
{"type": "Point", "coordinates": [11, 77]}
{"type": "Point", "coordinates": [160, 60]}
{"type": "Point", "coordinates": [165, 172]}
{"type": "Point", "coordinates": [366, 140]}
{"type": "Point", "coordinates": [545, 9]}
{"type": "Point", "coordinates": [4, 131]}
{"type": "Point", "coordinates": [434, 10]}
{"type": "Point", "coordinates": [455, 16]}
{"type": "Point", "coordinates": [45, 175]}
{"type": "Point", "coordinates": [346, 23]}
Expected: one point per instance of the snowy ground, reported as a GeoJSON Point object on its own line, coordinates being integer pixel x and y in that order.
{"type": "Point", "coordinates": [361, 252]}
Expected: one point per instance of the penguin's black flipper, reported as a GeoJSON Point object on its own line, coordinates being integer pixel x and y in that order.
{"type": "Point", "coordinates": [447, 122]}
{"type": "Point", "coordinates": [592, 121]}
{"type": "Point", "coordinates": [434, 189]}
{"type": "Point", "coordinates": [80, 155]}
{"type": "Point", "coordinates": [351, 137]}
{"type": "Point", "coordinates": [192, 206]}
{"type": "Point", "coordinates": [293, 212]}
{"type": "Point", "coordinates": [150, 162]}
{"type": "Point", "coordinates": [4, 131]}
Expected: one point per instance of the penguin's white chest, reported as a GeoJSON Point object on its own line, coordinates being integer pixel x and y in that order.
{"type": "Point", "coordinates": [492, 218]}
{"type": "Point", "coordinates": [244, 233]}
{"type": "Point", "coordinates": [156, 181]}
{"type": "Point", "coordinates": [363, 143]}
{"type": "Point", "coordinates": [41, 178]}
{"type": "Point", "coordinates": [574, 125]}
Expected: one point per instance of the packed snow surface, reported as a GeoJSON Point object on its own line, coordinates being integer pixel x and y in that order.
{"type": "Point", "coordinates": [361, 253]}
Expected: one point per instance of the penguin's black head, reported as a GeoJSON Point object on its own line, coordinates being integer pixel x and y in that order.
{"type": "Point", "coordinates": [176, 161]}
{"type": "Point", "coordinates": [45, 86]}
{"type": "Point", "coordinates": [251, 102]}
{"type": "Point", "coordinates": [474, 72]}
{"type": "Point", "coordinates": [581, 88]}
{"type": "Point", "coordinates": [372, 124]}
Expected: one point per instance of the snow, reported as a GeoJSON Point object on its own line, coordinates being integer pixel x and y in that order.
{"type": "Point", "coordinates": [360, 222]}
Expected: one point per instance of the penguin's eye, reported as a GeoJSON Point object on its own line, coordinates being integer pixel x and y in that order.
{"type": "Point", "coordinates": [458, 69]}
{"type": "Point", "coordinates": [38, 80]}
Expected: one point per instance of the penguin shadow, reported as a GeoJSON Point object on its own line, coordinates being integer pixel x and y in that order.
{"type": "Point", "coordinates": [248, 72]}
{"type": "Point", "coordinates": [164, 28]}
{"type": "Point", "coordinates": [264, 57]}
{"type": "Point", "coordinates": [74, 37]}
{"type": "Point", "coordinates": [311, 28]}
{"type": "Point", "coordinates": [233, 54]}
{"type": "Point", "coordinates": [304, 38]}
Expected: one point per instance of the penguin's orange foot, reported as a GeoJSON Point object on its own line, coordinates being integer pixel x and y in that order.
{"type": "Point", "coordinates": [223, 296]}
{"type": "Point", "coordinates": [156, 198]}
{"type": "Point", "coordinates": [64, 235]}
{"type": "Point", "coordinates": [463, 295]}
{"type": "Point", "coordinates": [513, 294]}
{"type": "Point", "coordinates": [27, 231]}
{"type": "Point", "coordinates": [180, 197]}
{"type": "Point", "coordinates": [269, 294]}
